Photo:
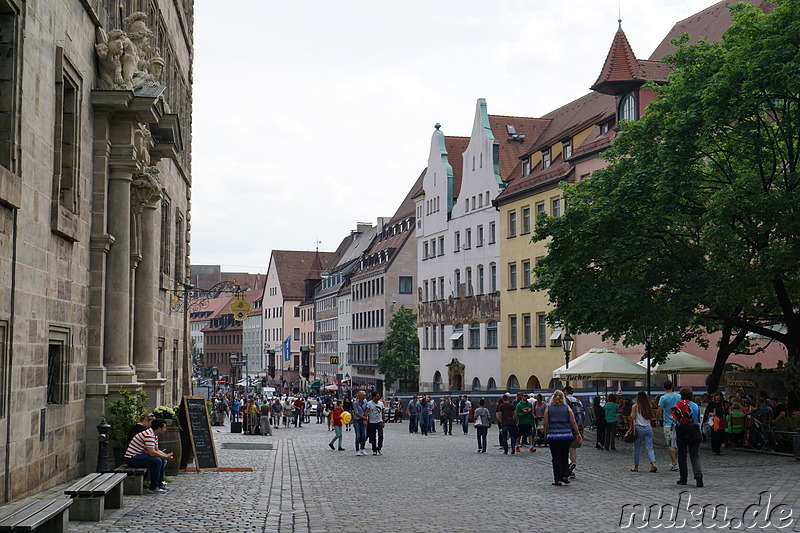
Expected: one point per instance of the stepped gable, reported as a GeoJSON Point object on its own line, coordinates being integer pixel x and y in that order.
{"type": "Point", "coordinates": [710, 23]}
{"type": "Point", "coordinates": [455, 147]}
{"type": "Point", "coordinates": [293, 266]}
{"type": "Point", "coordinates": [516, 144]}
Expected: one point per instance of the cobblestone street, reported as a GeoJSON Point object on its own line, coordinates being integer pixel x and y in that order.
{"type": "Point", "coordinates": [432, 484]}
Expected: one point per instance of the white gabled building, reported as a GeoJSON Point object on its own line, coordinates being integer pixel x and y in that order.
{"type": "Point", "coordinates": [457, 234]}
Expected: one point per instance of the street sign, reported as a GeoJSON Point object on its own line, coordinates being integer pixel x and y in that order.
{"type": "Point", "coordinates": [238, 364]}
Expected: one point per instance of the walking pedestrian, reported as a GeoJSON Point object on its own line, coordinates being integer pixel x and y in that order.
{"type": "Point", "coordinates": [266, 411]}
{"type": "Point", "coordinates": [686, 414]}
{"type": "Point", "coordinates": [336, 417]}
{"type": "Point", "coordinates": [464, 411]}
{"type": "Point", "coordinates": [507, 418]}
{"type": "Point", "coordinates": [665, 405]}
{"type": "Point", "coordinates": [360, 422]}
{"type": "Point", "coordinates": [599, 415]}
{"type": "Point", "coordinates": [612, 409]}
{"type": "Point", "coordinates": [447, 411]}
{"type": "Point", "coordinates": [524, 411]}
{"type": "Point", "coordinates": [347, 407]}
{"type": "Point", "coordinates": [482, 423]}
{"type": "Point", "coordinates": [641, 419]}
{"type": "Point", "coordinates": [412, 411]}
{"type": "Point", "coordinates": [560, 429]}
{"type": "Point", "coordinates": [715, 414]}
{"type": "Point", "coordinates": [376, 418]}
{"type": "Point", "coordinates": [538, 417]}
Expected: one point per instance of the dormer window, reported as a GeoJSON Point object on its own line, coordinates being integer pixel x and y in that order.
{"type": "Point", "coordinates": [627, 108]}
{"type": "Point", "coordinates": [603, 128]}
{"type": "Point", "coordinates": [566, 149]}
{"type": "Point", "coordinates": [545, 158]}
{"type": "Point", "coordinates": [526, 167]}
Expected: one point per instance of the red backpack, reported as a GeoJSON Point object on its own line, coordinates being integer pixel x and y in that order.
{"type": "Point", "coordinates": [682, 413]}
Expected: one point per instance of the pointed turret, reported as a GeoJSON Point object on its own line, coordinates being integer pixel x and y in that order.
{"type": "Point", "coordinates": [621, 68]}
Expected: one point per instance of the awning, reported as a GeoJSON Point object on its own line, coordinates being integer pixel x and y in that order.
{"type": "Point", "coordinates": [457, 335]}
{"type": "Point", "coordinates": [556, 335]}
{"type": "Point", "coordinates": [314, 385]}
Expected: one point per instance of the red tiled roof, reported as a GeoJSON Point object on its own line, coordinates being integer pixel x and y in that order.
{"type": "Point", "coordinates": [455, 147]}
{"type": "Point", "coordinates": [574, 117]}
{"type": "Point", "coordinates": [595, 142]}
{"type": "Point", "coordinates": [407, 206]}
{"type": "Point", "coordinates": [212, 306]}
{"type": "Point", "coordinates": [293, 267]}
{"type": "Point", "coordinates": [556, 172]}
{"type": "Point", "coordinates": [710, 23]}
{"type": "Point", "coordinates": [511, 149]}
{"type": "Point", "coordinates": [620, 65]}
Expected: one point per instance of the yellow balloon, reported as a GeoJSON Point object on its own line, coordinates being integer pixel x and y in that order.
{"type": "Point", "coordinates": [346, 417]}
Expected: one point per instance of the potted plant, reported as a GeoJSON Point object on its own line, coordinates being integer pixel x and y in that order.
{"type": "Point", "coordinates": [171, 440]}
{"type": "Point", "coordinates": [122, 415]}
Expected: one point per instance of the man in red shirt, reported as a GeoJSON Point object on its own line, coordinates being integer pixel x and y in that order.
{"type": "Point", "coordinates": [297, 412]}
{"type": "Point", "coordinates": [143, 452]}
{"type": "Point", "coordinates": [336, 418]}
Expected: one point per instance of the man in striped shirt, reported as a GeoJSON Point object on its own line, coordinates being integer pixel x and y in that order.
{"type": "Point", "coordinates": [143, 452]}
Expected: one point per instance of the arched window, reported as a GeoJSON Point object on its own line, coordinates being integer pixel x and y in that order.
{"type": "Point", "coordinates": [437, 382]}
{"type": "Point", "coordinates": [491, 385]}
{"type": "Point", "coordinates": [476, 384]}
{"type": "Point", "coordinates": [533, 383]}
{"type": "Point", "coordinates": [491, 334]}
{"type": "Point", "coordinates": [458, 336]}
{"type": "Point", "coordinates": [627, 108]}
{"type": "Point", "coordinates": [475, 335]}
{"type": "Point", "coordinates": [513, 382]}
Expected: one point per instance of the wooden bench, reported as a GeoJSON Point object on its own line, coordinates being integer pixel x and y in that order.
{"type": "Point", "coordinates": [44, 516]}
{"type": "Point", "coordinates": [93, 493]}
{"type": "Point", "coordinates": [134, 483]}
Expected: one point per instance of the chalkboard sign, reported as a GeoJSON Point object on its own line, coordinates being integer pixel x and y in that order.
{"type": "Point", "coordinates": [196, 421]}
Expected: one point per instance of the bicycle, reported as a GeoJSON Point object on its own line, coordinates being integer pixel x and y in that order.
{"type": "Point", "coordinates": [760, 436]}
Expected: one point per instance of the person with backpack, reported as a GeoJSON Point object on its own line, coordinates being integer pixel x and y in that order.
{"type": "Point", "coordinates": [686, 415]}
{"type": "Point", "coordinates": [579, 413]}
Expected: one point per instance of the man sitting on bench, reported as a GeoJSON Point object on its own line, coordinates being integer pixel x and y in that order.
{"type": "Point", "coordinates": [143, 452]}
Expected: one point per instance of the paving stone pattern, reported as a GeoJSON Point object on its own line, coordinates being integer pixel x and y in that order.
{"type": "Point", "coordinates": [431, 484]}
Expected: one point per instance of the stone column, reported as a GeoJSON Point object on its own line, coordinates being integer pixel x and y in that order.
{"type": "Point", "coordinates": [145, 194]}
{"type": "Point", "coordinates": [116, 354]}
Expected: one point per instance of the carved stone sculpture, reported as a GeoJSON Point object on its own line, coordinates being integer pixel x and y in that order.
{"type": "Point", "coordinates": [126, 60]}
{"type": "Point", "coordinates": [145, 189]}
{"type": "Point", "coordinates": [141, 143]}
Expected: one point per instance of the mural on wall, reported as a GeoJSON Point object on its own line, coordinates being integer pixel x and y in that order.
{"type": "Point", "coordinates": [464, 309]}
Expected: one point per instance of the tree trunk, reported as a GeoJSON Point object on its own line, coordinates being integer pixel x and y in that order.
{"type": "Point", "coordinates": [726, 347]}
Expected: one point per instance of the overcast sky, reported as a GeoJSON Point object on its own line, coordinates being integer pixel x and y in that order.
{"type": "Point", "coordinates": [310, 116]}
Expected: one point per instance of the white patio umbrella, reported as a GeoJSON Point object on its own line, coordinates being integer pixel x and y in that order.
{"type": "Point", "coordinates": [681, 363]}
{"type": "Point", "coordinates": [600, 364]}
{"type": "Point", "coordinates": [571, 363]}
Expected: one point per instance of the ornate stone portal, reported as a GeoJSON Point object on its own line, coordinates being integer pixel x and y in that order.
{"type": "Point", "coordinates": [455, 375]}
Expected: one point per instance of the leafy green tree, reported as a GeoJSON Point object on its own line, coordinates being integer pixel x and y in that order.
{"type": "Point", "coordinates": [399, 358]}
{"type": "Point", "coordinates": [693, 227]}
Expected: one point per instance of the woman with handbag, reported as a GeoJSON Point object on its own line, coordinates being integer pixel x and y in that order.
{"type": "Point", "coordinates": [641, 417]}
{"type": "Point", "coordinates": [482, 423]}
{"type": "Point", "coordinates": [715, 416]}
{"type": "Point", "coordinates": [560, 428]}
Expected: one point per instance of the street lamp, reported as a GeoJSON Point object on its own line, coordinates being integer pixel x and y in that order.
{"type": "Point", "coordinates": [234, 358]}
{"type": "Point", "coordinates": [567, 343]}
{"type": "Point", "coordinates": [214, 377]}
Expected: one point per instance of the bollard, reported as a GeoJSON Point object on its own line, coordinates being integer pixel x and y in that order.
{"type": "Point", "coordinates": [102, 449]}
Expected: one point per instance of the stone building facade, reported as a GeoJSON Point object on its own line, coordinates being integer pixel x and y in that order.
{"type": "Point", "coordinates": [95, 103]}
